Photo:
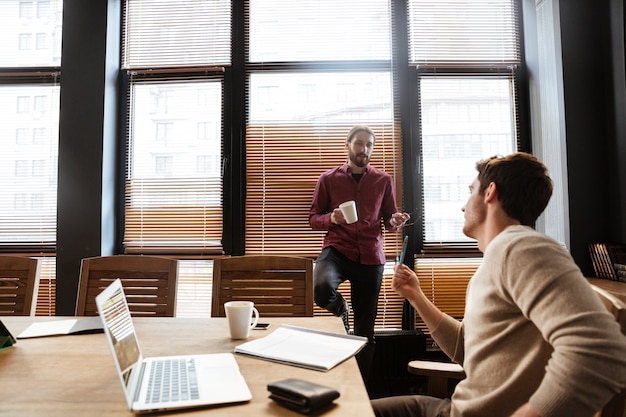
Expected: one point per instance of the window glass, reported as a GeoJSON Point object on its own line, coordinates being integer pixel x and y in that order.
{"type": "Point", "coordinates": [313, 30]}
{"type": "Point", "coordinates": [172, 202]}
{"type": "Point", "coordinates": [465, 33]}
{"type": "Point", "coordinates": [464, 119]}
{"type": "Point", "coordinates": [165, 33]}
{"type": "Point", "coordinates": [30, 33]}
{"type": "Point", "coordinates": [28, 192]}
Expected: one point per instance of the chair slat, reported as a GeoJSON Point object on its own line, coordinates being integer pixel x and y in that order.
{"type": "Point", "coordinates": [279, 286]}
{"type": "Point", "coordinates": [19, 283]}
{"type": "Point", "coordinates": [149, 283]}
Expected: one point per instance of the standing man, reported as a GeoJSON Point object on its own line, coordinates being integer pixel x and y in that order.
{"type": "Point", "coordinates": [354, 251]}
{"type": "Point", "coordinates": [535, 340]}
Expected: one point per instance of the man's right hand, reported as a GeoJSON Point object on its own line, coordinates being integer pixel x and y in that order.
{"type": "Point", "coordinates": [405, 282]}
{"type": "Point", "coordinates": [336, 217]}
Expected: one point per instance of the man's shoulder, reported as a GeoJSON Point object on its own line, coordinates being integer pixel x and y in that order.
{"type": "Point", "coordinates": [332, 171]}
{"type": "Point", "coordinates": [377, 172]}
{"type": "Point", "coordinates": [523, 238]}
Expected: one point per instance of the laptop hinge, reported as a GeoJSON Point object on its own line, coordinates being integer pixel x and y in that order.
{"type": "Point", "coordinates": [142, 369]}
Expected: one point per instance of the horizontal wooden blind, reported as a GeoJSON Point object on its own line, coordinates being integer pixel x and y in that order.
{"type": "Point", "coordinates": [164, 33]}
{"type": "Point", "coordinates": [444, 281]}
{"type": "Point", "coordinates": [193, 294]}
{"type": "Point", "coordinates": [172, 228]}
{"type": "Point", "coordinates": [283, 163]}
{"type": "Point", "coordinates": [46, 295]}
{"type": "Point", "coordinates": [28, 166]}
{"type": "Point", "coordinates": [194, 297]}
{"type": "Point", "coordinates": [390, 304]}
{"type": "Point", "coordinates": [173, 190]}
{"type": "Point", "coordinates": [461, 33]}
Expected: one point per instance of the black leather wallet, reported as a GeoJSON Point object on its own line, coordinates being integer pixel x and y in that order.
{"type": "Point", "coordinates": [301, 396]}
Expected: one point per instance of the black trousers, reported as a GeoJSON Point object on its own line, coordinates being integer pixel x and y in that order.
{"type": "Point", "coordinates": [331, 269]}
{"type": "Point", "coordinates": [411, 406]}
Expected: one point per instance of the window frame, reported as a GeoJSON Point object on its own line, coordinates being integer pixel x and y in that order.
{"type": "Point", "coordinates": [405, 102]}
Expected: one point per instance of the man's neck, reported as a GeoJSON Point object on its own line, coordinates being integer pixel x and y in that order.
{"type": "Point", "coordinates": [356, 169]}
{"type": "Point", "coordinates": [496, 222]}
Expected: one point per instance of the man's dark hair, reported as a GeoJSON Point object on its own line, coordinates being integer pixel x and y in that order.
{"type": "Point", "coordinates": [522, 181]}
{"type": "Point", "coordinates": [357, 129]}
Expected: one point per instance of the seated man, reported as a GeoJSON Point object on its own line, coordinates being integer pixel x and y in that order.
{"type": "Point", "coordinates": [535, 339]}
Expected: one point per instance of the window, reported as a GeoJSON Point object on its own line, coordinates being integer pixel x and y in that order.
{"type": "Point", "coordinates": [298, 118]}
{"type": "Point", "coordinates": [281, 87]}
{"type": "Point", "coordinates": [466, 56]}
{"type": "Point", "coordinates": [452, 141]}
{"type": "Point", "coordinates": [29, 169]}
{"type": "Point", "coordinates": [29, 100]}
{"type": "Point", "coordinates": [315, 69]}
{"type": "Point", "coordinates": [175, 73]}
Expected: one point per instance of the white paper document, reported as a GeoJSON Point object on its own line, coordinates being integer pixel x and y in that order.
{"type": "Point", "coordinates": [63, 327]}
{"type": "Point", "coordinates": [307, 348]}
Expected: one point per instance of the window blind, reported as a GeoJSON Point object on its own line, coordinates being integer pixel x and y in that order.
{"type": "Point", "coordinates": [163, 33]}
{"type": "Point", "coordinates": [28, 166]}
{"type": "Point", "coordinates": [390, 304]}
{"type": "Point", "coordinates": [283, 165]}
{"type": "Point", "coordinates": [461, 33]}
{"type": "Point", "coordinates": [174, 175]}
{"type": "Point", "coordinates": [319, 30]}
{"type": "Point", "coordinates": [46, 295]}
{"type": "Point", "coordinates": [175, 54]}
{"type": "Point", "coordinates": [464, 118]}
{"type": "Point", "coordinates": [29, 103]}
{"type": "Point", "coordinates": [466, 56]}
{"type": "Point", "coordinates": [444, 282]}
{"type": "Point", "coordinates": [298, 119]}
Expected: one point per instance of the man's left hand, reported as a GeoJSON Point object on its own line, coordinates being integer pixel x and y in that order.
{"type": "Point", "coordinates": [398, 219]}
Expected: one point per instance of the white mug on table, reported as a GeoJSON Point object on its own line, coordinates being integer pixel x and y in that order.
{"type": "Point", "coordinates": [239, 315]}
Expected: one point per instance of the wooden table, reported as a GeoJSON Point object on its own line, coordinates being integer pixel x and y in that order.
{"type": "Point", "coordinates": [617, 288]}
{"type": "Point", "coordinates": [75, 375]}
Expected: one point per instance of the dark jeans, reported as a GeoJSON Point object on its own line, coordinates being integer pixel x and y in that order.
{"type": "Point", "coordinates": [331, 269]}
{"type": "Point", "coordinates": [411, 406]}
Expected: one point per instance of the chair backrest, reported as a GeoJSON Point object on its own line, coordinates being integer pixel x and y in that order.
{"type": "Point", "coordinates": [617, 406]}
{"type": "Point", "coordinates": [149, 283]}
{"type": "Point", "coordinates": [19, 283]}
{"type": "Point", "coordinates": [279, 286]}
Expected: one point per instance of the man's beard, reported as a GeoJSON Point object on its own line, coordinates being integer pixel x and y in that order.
{"type": "Point", "coordinates": [360, 162]}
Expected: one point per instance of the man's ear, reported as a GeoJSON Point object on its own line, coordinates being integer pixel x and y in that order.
{"type": "Point", "coordinates": [491, 192]}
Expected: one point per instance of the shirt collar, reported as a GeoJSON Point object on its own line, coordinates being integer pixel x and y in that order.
{"type": "Point", "coordinates": [346, 168]}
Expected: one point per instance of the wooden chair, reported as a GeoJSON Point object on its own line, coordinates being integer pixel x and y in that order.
{"type": "Point", "coordinates": [439, 373]}
{"type": "Point", "coordinates": [279, 286]}
{"type": "Point", "coordinates": [149, 283]}
{"type": "Point", "coordinates": [19, 283]}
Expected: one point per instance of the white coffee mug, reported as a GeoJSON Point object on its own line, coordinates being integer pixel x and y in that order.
{"type": "Point", "coordinates": [349, 211]}
{"type": "Point", "coordinates": [239, 315]}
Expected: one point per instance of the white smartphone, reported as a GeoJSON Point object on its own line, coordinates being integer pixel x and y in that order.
{"type": "Point", "coordinates": [261, 326]}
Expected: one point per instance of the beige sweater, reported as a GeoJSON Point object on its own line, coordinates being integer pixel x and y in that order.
{"type": "Point", "coordinates": [535, 331]}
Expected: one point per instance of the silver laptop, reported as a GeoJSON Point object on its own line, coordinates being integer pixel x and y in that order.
{"type": "Point", "coordinates": [165, 382]}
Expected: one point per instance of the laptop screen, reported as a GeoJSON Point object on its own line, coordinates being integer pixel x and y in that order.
{"type": "Point", "coordinates": [118, 322]}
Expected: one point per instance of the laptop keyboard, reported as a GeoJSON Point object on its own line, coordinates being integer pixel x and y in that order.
{"type": "Point", "coordinates": [172, 380]}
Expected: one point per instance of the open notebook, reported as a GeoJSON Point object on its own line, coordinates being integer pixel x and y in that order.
{"type": "Point", "coordinates": [166, 382]}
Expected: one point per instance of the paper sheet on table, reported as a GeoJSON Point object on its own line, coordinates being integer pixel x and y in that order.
{"type": "Point", "coordinates": [81, 325]}
{"type": "Point", "coordinates": [308, 348]}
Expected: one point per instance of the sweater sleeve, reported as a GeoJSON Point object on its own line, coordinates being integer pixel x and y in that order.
{"type": "Point", "coordinates": [588, 364]}
{"type": "Point", "coordinates": [449, 337]}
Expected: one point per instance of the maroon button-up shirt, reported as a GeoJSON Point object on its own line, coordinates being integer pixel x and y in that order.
{"type": "Point", "coordinates": [375, 199]}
